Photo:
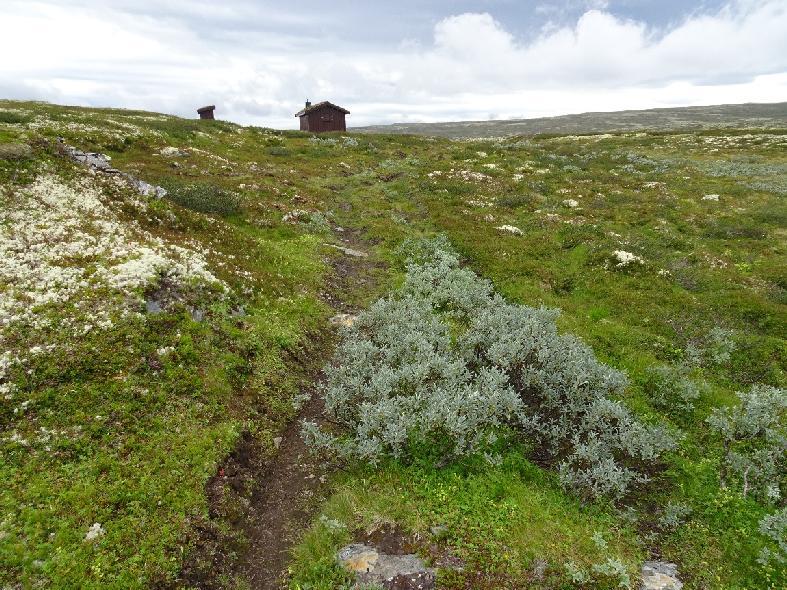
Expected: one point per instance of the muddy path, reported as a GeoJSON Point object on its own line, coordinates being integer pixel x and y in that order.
{"type": "Point", "coordinates": [261, 505]}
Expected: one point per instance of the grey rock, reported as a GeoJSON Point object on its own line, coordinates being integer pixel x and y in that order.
{"type": "Point", "coordinates": [173, 152]}
{"type": "Point", "coordinates": [153, 306]}
{"type": "Point", "coordinates": [343, 319]}
{"type": "Point", "coordinates": [392, 572]}
{"type": "Point", "coordinates": [144, 188]}
{"type": "Point", "coordinates": [660, 575]}
{"type": "Point", "coordinates": [100, 163]}
{"type": "Point", "coordinates": [349, 251]}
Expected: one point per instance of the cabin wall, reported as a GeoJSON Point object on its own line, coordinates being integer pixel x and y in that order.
{"type": "Point", "coordinates": [324, 119]}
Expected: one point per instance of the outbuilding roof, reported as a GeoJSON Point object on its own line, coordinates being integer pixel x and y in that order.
{"type": "Point", "coordinates": [320, 105]}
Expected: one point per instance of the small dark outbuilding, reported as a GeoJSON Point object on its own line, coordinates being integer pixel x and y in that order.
{"type": "Point", "coordinates": [206, 112]}
{"type": "Point", "coordinates": [323, 116]}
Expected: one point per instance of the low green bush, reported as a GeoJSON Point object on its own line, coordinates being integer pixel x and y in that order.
{"type": "Point", "coordinates": [205, 198]}
{"type": "Point", "coordinates": [15, 151]}
{"type": "Point", "coordinates": [12, 118]}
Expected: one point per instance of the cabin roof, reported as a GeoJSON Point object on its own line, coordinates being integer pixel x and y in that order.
{"type": "Point", "coordinates": [320, 105]}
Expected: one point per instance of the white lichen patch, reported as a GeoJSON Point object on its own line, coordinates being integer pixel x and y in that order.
{"type": "Point", "coordinates": [510, 229]}
{"type": "Point", "coordinates": [64, 246]}
{"type": "Point", "coordinates": [626, 258]}
{"type": "Point", "coordinates": [710, 198]}
{"type": "Point", "coordinates": [465, 175]}
{"type": "Point", "coordinates": [94, 532]}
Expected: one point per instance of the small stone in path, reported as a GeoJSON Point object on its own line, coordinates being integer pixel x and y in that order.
{"type": "Point", "coordinates": [349, 251]}
{"type": "Point", "coordinates": [343, 319]}
{"type": "Point", "coordinates": [660, 575]}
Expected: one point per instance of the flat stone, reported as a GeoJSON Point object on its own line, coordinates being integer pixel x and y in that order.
{"type": "Point", "coordinates": [173, 152]}
{"type": "Point", "coordinates": [358, 558]}
{"type": "Point", "coordinates": [660, 575]}
{"type": "Point", "coordinates": [349, 251]}
{"type": "Point", "coordinates": [343, 319]}
{"type": "Point", "coordinates": [153, 306]}
{"type": "Point", "coordinates": [392, 572]}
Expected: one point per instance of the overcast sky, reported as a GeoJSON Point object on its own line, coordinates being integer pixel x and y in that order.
{"type": "Point", "coordinates": [394, 60]}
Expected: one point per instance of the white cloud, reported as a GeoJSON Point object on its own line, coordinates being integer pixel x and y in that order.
{"type": "Point", "coordinates": [475, 66]}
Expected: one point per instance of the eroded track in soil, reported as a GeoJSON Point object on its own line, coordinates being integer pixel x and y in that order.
{"type": "Point", "coordinates": [285, 491]}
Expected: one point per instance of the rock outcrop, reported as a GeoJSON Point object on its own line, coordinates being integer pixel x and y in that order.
{"type": "Point", "coordinates": [100, 163]}
{"type": "Point", "coordinates": [392, 572]}
{"type": "Point", "coordinates": [660, 575]}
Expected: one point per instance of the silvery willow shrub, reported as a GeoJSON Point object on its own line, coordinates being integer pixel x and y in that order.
{"type": "Point", "coordinates": [715, 348]}
{"type": "Point", "coordinates": [671, 388]}
{"type": "Point", "coordinates": [396, 380]}
{"type": "Point", "coordinates": [774, 528]}
{"type": "Point", "coordinates": [755, 442]}
{"type": "Point", "coordinates": [595, 440]}
{"type": "Point", "coordinates": [415, 251]}
{"type": "Point", "coordinates": [447, 361]}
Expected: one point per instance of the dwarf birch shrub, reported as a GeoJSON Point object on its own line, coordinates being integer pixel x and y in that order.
{"type": "Point", "coordinates": [755, 442]}
{"type": "Point", "coordinates": [446, 361]}
{"type": "Point", "coordinates": [205, 198]}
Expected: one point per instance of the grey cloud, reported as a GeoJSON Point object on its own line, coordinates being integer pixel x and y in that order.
{"type": "Point", "coordinates": [443, 60]}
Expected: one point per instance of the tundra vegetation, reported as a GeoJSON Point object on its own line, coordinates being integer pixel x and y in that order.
{"type": "Point", "coordinates": [143, 339]}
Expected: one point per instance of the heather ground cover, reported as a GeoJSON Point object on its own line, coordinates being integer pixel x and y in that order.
{"type": "Point", "coordinates": [664, 251]}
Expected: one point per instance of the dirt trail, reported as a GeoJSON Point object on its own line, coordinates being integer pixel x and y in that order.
{"type": "Point", "coordinates": [283, 499]}
{"type": "Point", "coordinates": [281, 506]}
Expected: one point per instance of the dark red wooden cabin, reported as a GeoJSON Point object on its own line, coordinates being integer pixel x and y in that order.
{"type": "Point", "coordinates": [206, 112]}
{"type": "Point", "coordinates": [323, 116]}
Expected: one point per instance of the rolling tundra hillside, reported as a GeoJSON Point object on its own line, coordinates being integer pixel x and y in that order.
{"type": "Point", "coordinates": [727, 116]}
{"type": "Point", "coordinates": [228, 354]}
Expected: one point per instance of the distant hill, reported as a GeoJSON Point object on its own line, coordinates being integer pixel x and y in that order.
{"type": "Point", "coordinates": [756, 115]}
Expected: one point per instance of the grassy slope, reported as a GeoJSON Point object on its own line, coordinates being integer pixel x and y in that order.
{"type": "Point", "coordinates": [143, 475]}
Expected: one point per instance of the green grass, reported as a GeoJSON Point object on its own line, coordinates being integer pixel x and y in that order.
{"type": "Point", "coordinates": [499, 520]}
{"type": "Point", "coordinates": [707, 264]}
